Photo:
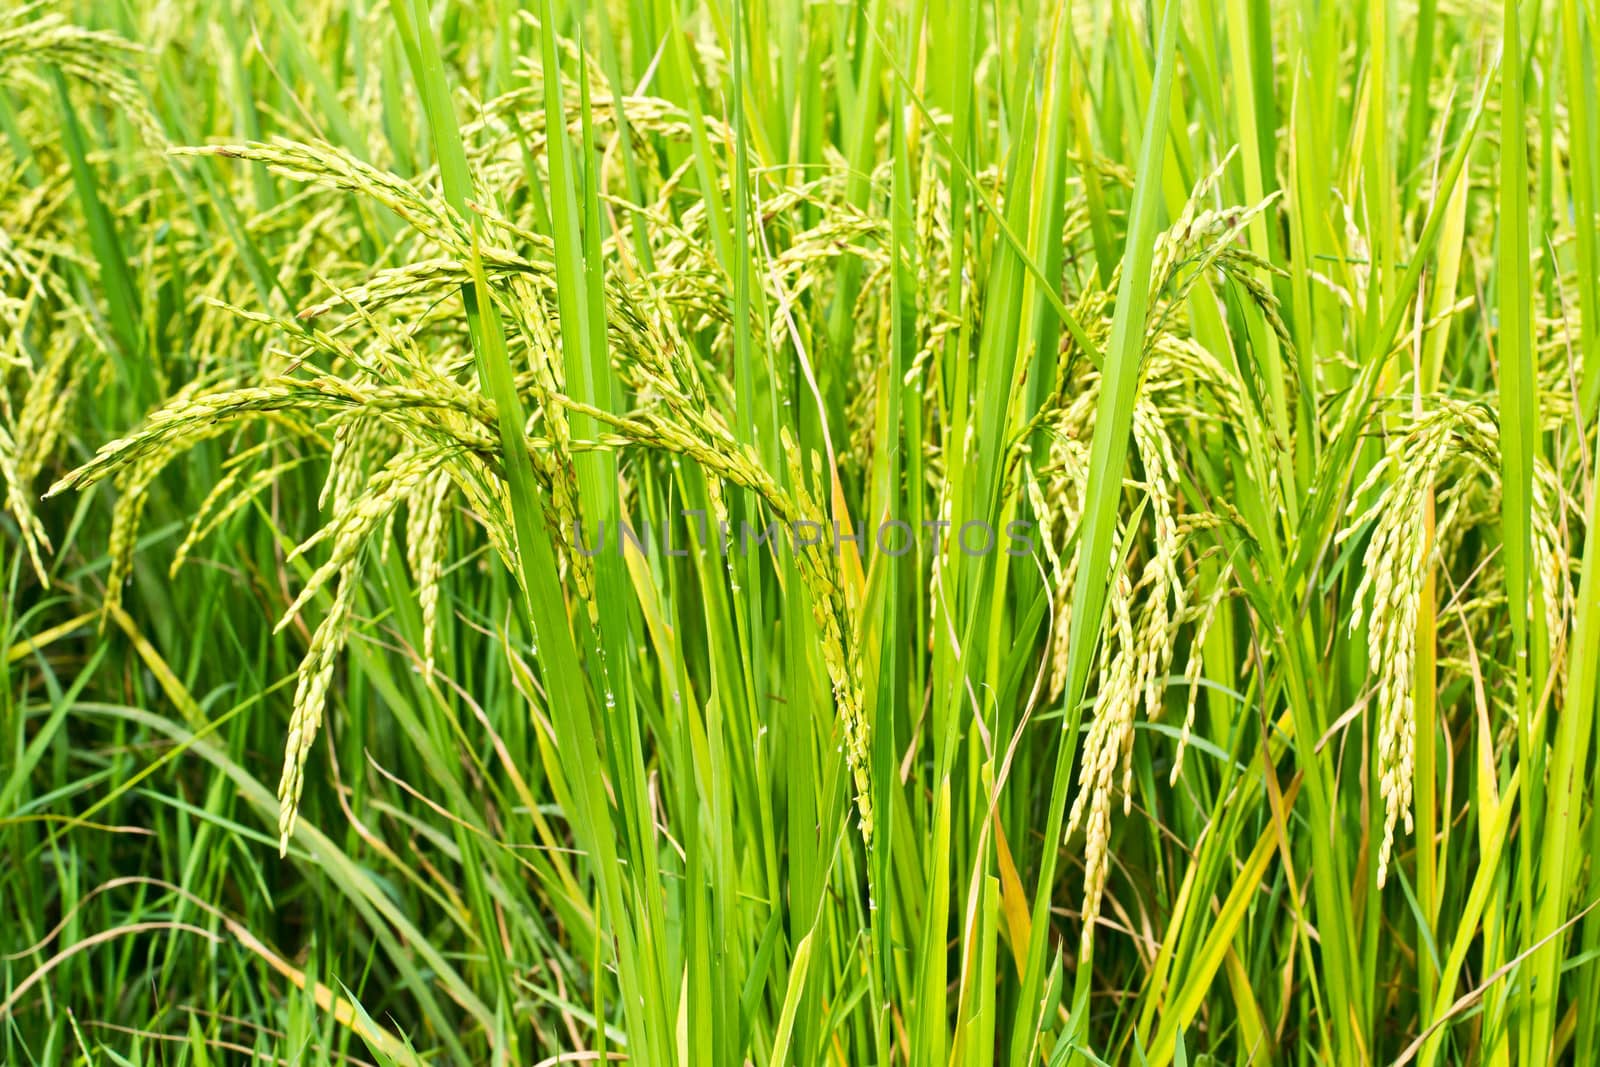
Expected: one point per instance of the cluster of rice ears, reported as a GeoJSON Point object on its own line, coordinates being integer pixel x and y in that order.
{"type": "Point", "coordinates": [424, 406]}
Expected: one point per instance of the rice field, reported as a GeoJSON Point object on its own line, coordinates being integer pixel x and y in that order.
{"type": "Point", "coordinates": [677, 532]}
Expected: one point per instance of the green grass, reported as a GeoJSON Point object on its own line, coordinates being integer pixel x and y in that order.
{"type": "Point", "coordinates": [332, 336]}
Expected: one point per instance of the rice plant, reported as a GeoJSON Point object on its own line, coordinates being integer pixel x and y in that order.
{"type": "Point", "coordinates": [917, 532]}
